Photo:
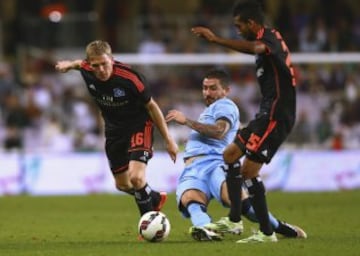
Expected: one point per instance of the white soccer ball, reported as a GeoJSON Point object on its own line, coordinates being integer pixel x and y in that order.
{"type": "Point", "coordinates": [154, 226]}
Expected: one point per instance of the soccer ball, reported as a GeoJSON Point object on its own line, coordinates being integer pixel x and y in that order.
{"type": "Point", "coordinates": [154, 226]}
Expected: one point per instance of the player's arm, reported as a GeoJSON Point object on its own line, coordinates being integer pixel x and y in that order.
{"type": "Point", "coordinates": [159, 120]}
{"type": "Point", "coordinates": [251, 47]}
{"type": "Point", "coordinates": [66, 65]}
{"type": "Point", "coordinates": [245, 46]}
{"type": "Point", "coordinates": [215, 131]}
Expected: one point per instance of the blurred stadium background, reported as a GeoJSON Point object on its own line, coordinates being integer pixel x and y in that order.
{"type": "Point", "coordinates": [50, 132]}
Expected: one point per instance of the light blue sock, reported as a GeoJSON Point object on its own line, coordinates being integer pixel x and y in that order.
{"type": "Point", "coordinates": [273, 221]}
{"type": "Point", "coordinates": [250, 215]}
{"type": "Point", "coordinates": [198, 214]}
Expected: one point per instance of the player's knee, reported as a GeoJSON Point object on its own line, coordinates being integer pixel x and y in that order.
{"type": "Point", "coordinates": [191, 196]}
{"type": "Point", "coordinates": [137, 181]}
{"type": "Point", "coordinates": [228, 157]}
{"type": "Point", "coordinates": [231, 155]}
{"type": "Point", "coordinates": [186, 197]}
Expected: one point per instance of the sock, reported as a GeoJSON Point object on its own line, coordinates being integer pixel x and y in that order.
{"type": "Point", "coordinates": [130, 191]}
{"type": "Point", "coordinates": [198, 214]}
{"type": "Point", "coordinates": [249, 213]}
{"type": "Point", "coordinates": [258, 201]}
{"type": "Point", "coordinates": [285, 229]}
{"type": "Point", "coordinates": [233, 182]}
{"type": "Point", "coordinates": [273, 221]}
{"type": "Point", "coordinates": [155, 196]}
{"type": "Point", "coordinates": [143, 199]}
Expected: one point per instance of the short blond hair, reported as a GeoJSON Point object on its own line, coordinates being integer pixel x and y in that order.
{"type": "Point", "coordinates": [97, 48]}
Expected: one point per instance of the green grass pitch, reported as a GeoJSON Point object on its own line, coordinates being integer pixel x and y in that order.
{"type": "Point", "coordinates": [107, 225]}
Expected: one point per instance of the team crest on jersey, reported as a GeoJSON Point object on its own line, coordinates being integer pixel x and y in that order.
{"type": "Point", "coordinates": [118, 92]}
{"type": "Point", "coordinates": [91, 86]}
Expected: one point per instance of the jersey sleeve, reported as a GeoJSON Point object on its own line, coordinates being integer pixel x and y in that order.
{"type": "Point", "coordinates": [271, 45]}
{"type": "Point", "coordinates": [227, 110]}
{"type": "Point", "coordinates": [272, 41]}
{"type": "Point", "coordinates": [143, 89]}
{"type": "Point", "coordinates": [85, 66]}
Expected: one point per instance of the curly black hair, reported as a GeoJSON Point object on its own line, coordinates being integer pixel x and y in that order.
{"type": "Point", "coordinates": [249, 9]}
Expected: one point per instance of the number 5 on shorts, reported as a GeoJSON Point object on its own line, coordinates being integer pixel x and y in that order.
{"type": "Point", "coordinates": [253, 142]}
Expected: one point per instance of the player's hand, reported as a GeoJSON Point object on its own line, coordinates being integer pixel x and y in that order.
{"type": "Point", "coordinates": [205, 33]}
{"type": "Point", "coordinates": [177, 116]}
{"type": "Point", "coordinates": [63, 66]}
{"type": "Point", "coordinates": [172, 148]}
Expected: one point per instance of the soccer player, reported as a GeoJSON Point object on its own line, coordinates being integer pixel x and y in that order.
{"type": "Point", "coordinates": [129, 114]}
{"type": "Point", "coordinates": [203, 177]}
{"type": "Point", "coordinates": [262, 137]}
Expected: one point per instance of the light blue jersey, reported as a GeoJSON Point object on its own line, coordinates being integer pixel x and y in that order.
{"type": "Point", "coordinates": [206, 174]}
{"type": "Point", "coordinates": [202, 145]}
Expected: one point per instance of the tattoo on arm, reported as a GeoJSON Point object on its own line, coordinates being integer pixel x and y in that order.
{"type": "Point", "coordinates": [216, 131]}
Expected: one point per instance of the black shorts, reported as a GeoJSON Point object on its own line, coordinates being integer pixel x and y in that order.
{"type": "Point", "coordinates": [262, 137]}
{"type": "Point", "coordinates": [132, 144]}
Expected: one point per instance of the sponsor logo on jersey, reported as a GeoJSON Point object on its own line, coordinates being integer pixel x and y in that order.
{"type": "Point", "coordinates": [259, 72]}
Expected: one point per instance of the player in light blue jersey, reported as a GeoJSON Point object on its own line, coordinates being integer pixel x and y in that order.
{"type": "Point", "coordinates": [203, 177]}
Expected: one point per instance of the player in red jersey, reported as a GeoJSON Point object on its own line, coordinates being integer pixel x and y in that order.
{"type": "Point", "coordinates": [262, 137]}
{"type": "Point", "coordinates": [129, 114]}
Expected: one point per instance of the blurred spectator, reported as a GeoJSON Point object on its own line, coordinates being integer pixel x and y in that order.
{"type": "Point", "coordinates": [151, 15]}
{"type": "Point", "coordinates": [112, 11]}
{"type": "Point", "coordinates": [337, 78]}
{"type": "Point", "coordinates": [153, 43]}
{"type": "Point", "coordinates": [57, 107]}
{"type": "Point", "coordinates": [7, 83]}
{"type": "Point", "coordinates": [323, 128]}
{"type": "Point", "coordinates": [313, 36]}
{"type": "Point", "coordinates": [302, 132]}
{"type": "Point", "coordinates": [287, 28]}
{"type": "Point", "coordinates": [345, 37]}
{"type": "Point", "coordinates": [332, 44]}
{"type": "Point", "coordinates": [300, 18]}
{"type": "Point", "coordinates": [304, 24]}
{"type": "Point", "coordinates": [351, 89]}
{"type": "Point", "coordinates": [55, 137]}
{"type": "Point", "coordinates": [16, 120]}
{"type": "Point", "coordinates": [356, 31]}
{"type": "Point", "coordinates": [337, 142]}
{"type": "Point", "coordinates": [87, 13]}
{"type": "Point", "coordinates": [83, 117]}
